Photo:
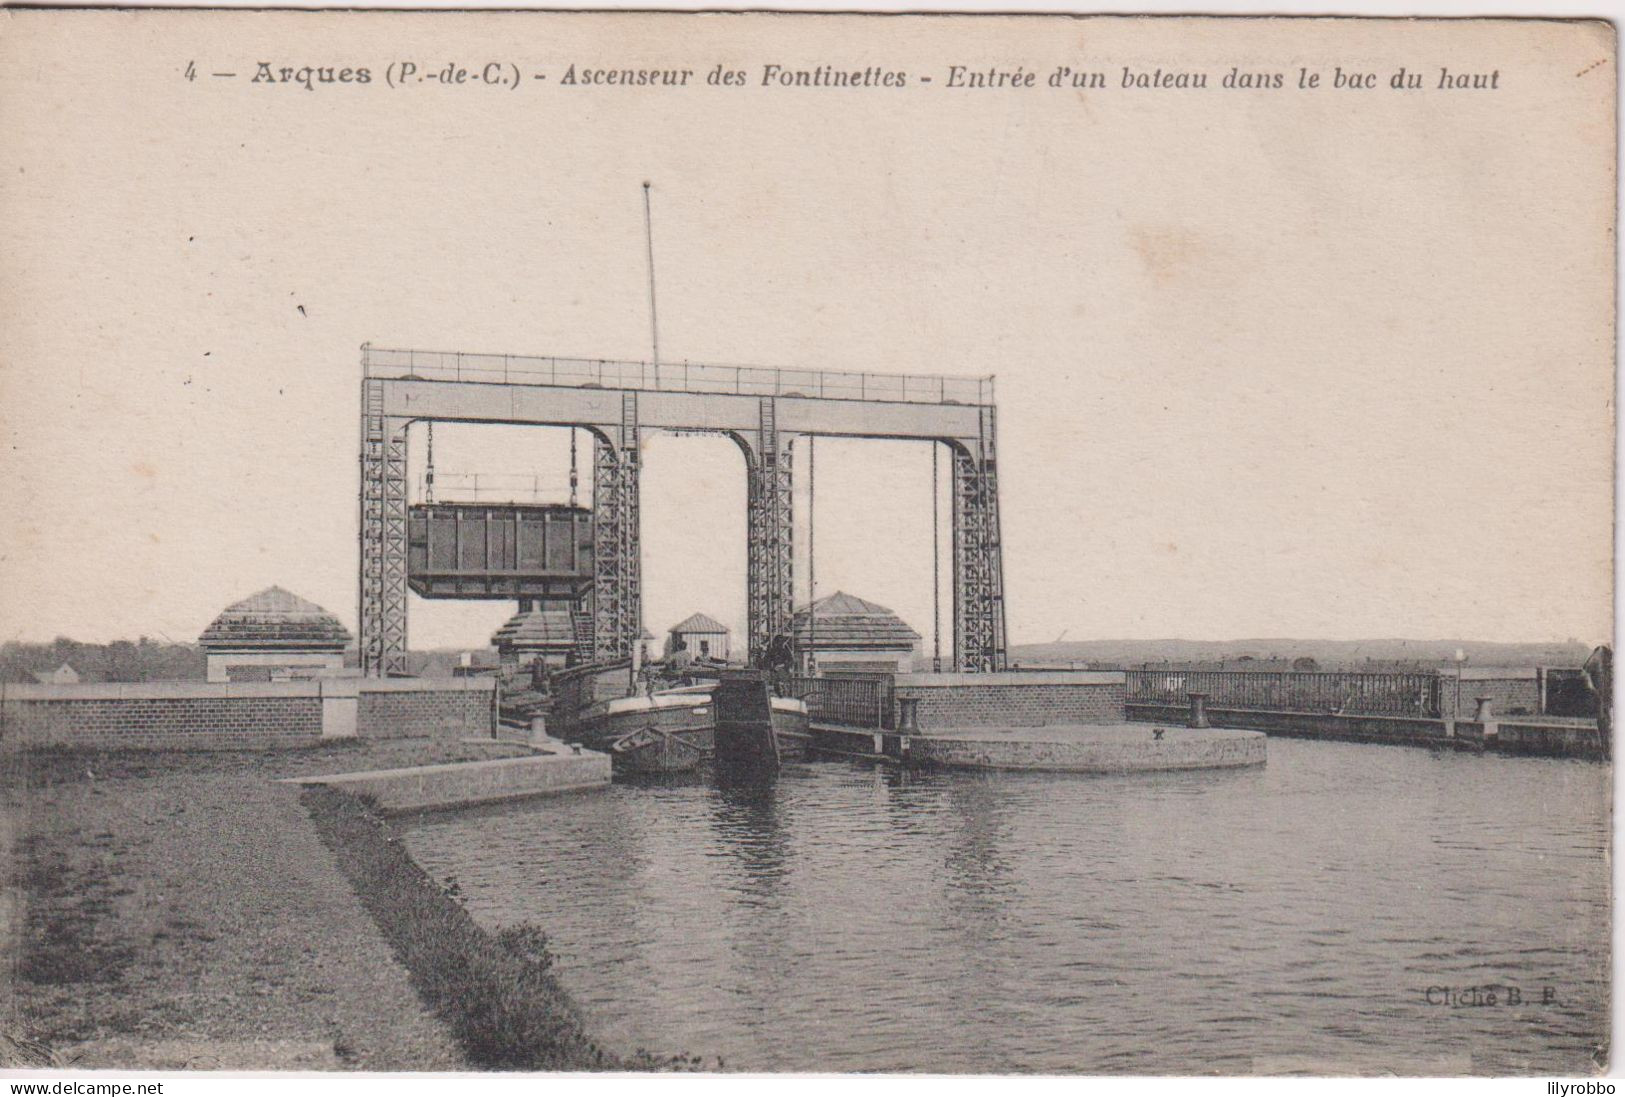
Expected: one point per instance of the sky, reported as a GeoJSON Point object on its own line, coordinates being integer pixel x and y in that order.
{"type": "Point", "coordinates": [1267, 364]}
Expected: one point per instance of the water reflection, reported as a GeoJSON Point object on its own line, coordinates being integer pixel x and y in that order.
{"type": "Point", "coordinates": [1284, 918]}
{"type": "Point", "coordinates": [747, 824]}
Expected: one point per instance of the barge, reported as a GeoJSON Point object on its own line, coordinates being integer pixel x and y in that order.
{"type": "Point", "coordinates": [669, 730]}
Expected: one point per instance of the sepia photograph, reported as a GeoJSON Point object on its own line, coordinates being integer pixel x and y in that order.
{"type": "Point", "coordinates": [788, 543]}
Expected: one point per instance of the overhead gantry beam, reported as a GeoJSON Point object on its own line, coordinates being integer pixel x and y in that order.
{"type": "Point", "coordinates": [544, 405]}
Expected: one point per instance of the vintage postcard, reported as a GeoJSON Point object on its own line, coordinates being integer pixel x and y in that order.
{"type": "Point", "coordinates": [806, 543]}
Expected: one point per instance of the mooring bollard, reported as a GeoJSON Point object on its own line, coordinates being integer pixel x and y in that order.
{"type": "Point", "coordinates": [538, 729]}
{"type": "Point", "coordinates": [1482, 714]}
{"type": "Point", "coordinates": [908, 714]}
{"type": "Point", "coordinates": [1198, 710]}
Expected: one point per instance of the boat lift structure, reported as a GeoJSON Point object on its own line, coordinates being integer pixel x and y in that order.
{"type": "Point", "coordinates": [761, 409]}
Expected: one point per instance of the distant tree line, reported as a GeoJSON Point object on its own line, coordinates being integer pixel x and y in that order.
{"type": "Point", "coordinates": [146, 660]}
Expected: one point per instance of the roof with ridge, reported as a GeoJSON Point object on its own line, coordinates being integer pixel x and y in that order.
{"type": "Point", "coordinates": [699, 622]}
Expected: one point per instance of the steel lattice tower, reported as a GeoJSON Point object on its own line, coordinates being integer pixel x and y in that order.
{"type": "Point", "coordinates": [617, 545]}
{"type": "Point", "coordinates": [383, 535]}
{"type": "Point", "coordinates": [770, 520]}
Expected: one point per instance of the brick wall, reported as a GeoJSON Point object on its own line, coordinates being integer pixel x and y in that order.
{"type": "Point", "coordinates": [1016, 699]}
{"type": "Point", "coordinates": [161, 716]}
{"type": "Point", "coordinates": [1511, 692]}
{"type": "Point", "coordinates": [401, 708]}
{"type": "Point", "coordinates": [237, 715]}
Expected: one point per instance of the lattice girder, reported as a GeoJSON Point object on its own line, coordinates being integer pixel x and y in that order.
{"type": "Point", "coordinates": [770, 524]}
{"type": "Point", "coordinates": [978, 565]}
{"type": "Point", "coordinates": [382, 615]}
{"type": "Point", "coordinates": [617, 550]}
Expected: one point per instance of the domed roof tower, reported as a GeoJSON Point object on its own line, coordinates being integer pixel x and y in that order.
{"type": "Point", "coordinates": [843, 631]}
{"type": "Point", "coordinates": [275, 619]}
{"type": "Point", "coordinates": [549, 633]}
{"type": "Point", "coordinates": [270, 635]}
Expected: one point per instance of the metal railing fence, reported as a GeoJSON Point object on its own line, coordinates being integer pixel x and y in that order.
{"type": "Point", "coordinates": [1366, 694]}
{"type": "Point", "coordinates": [850, 702]}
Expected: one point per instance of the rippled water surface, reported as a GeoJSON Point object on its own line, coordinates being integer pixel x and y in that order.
{"type": "Point", "coordinates": [1289, 917]}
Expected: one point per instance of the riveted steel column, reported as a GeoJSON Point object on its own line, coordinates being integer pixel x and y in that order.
{"type": "Point", "coordinates": [979, 619]}
{"type": "Point", "coordinates": [770, 583]}
{"type": "Point", "coordinates": [617, 556]}
{"type": "Point", "coordinates": [382, 615]}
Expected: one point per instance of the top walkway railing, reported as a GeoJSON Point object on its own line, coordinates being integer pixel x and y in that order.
{"type": "Point", "coordinates": [517, 369]}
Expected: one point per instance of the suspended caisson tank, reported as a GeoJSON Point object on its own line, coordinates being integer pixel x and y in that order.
{"type": "Point", "coordinates": [499, 552]}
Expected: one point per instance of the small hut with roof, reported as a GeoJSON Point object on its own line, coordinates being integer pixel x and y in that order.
{"type": "Point", "coordinates": [273, 636]}
{"type": "Point", "coordinates": [704, 637]}
{"type": "Point", "coordinates": [841, 633]}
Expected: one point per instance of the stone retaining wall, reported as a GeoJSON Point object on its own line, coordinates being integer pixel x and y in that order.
{"type": "Point", "coordinates": [1209, 749]}
{"type": "Point", "coordinates": [1518, 735]}
{"type": "Point", "coordinates": [462, 784]}
{"type": "Point", "coordinates": [1304, 725]}
{"type": "Point", "coordinates": [1553, 738]}
{"type": "Point", "coordinates": [1119, 748]}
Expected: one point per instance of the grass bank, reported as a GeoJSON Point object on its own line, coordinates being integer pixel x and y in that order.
{"type": "Point", "coordinates": [496, 992]}
{"type": "Point", "coordinates": [177, 910]}
{"type": "Point", "coordinates": [183, 910]}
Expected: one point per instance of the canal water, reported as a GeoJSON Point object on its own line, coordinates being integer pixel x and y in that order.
{"type": "Point", "coordinates": [1332, 911]}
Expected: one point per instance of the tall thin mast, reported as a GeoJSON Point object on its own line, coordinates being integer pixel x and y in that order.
{"type": "Point", "coordinates": [428, 476]}
{"type": "Point", "coordinates": [812, 570]}
{"type": "Point", "coordinates": [654, 322]}
{"type": "Point", "coordinates": [573, 479]}
{"type": "Point", "coordinates": [936, 571]}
